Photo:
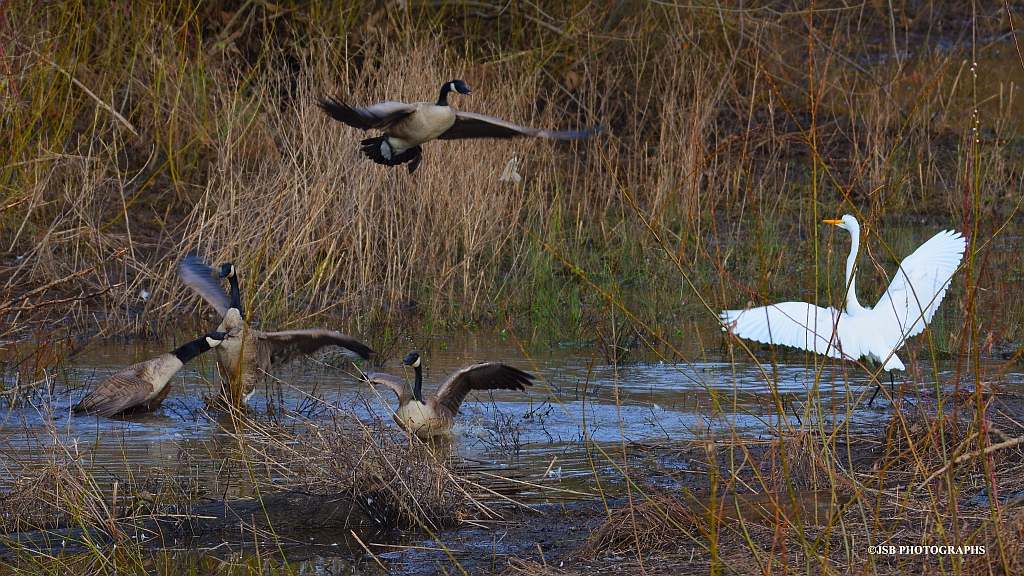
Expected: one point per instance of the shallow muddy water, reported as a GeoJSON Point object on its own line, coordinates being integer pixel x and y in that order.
{"type": "Point", "coordinates": [563, 433]}
{"type": "Point", "coordinates": [552, 434]}
{"type": "Point", "coordinates": [577, 400]}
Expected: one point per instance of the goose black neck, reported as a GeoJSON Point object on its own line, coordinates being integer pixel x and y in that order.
{"type": "Point", "coordinates": [190, 350]}
{"type": "Point", "coordinates": [417, 389]}
{"type": "Point", "coordinates": [445, 89]}
{"type": "Point", "coordinates": [236, 296]}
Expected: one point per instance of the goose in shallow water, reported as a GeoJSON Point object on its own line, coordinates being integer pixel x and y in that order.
{"type": "Point", "coordinates": [246, 355]}
{"type": "Point", "coordinates": [407, 126]}
{"type": "Point", "coordinates": [144, 385]}
{"type": "Point", "coordinates": [435, 416]}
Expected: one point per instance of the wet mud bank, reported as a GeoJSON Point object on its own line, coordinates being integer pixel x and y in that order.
{"type": "Point", "coordinates": [291, 516]}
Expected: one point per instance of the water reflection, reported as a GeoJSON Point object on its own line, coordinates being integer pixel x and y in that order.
{"type": "Point", "coordinates": [547, 435]}
{"type": "Point", "coordinates": [575, 403]}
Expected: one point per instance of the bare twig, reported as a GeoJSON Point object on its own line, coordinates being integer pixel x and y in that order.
{"type": "Point", "coordinates": [63, 300]}
{"type": "Point", "coordinates": [9, 305]}
{"type": "Point", "coordinates": [973, 454]}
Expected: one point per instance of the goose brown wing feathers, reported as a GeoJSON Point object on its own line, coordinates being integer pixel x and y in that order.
{"type": "Point", "coordinates": [120, 392]}
{"type": "Point", "coordinates": [277, 347]}
{"type": "Point", "coordinates": [378, 116]}
{"type": "Point", "coordinates": [482, 376]}
{"type": "Point", "coordinates": [399, 385]}
{"type": "Point", "coordinates": [472, 125]}
{"type": "Point", "coordinates": [203, 280]}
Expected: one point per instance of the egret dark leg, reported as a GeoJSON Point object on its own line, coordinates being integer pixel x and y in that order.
{"type": "Point", "coordinates": [877, 390]}
{"type": "Point", "coordinates": [892, 389]}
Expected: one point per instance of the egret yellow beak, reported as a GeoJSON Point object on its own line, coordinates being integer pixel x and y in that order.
{"type": "Point", "coordinates": [834, 222]}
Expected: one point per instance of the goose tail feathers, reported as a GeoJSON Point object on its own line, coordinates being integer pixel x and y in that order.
{"type": "Point", "coordinates": [380, 151]}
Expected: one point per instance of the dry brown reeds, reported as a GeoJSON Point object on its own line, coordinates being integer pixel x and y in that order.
{"type": "Point", "coordinates": [59, 492]}
{"type": "Point", "coordinates": [201, 131]}
{"type": "Point", "coordinates": [399, 482]}
{"type": "Point", "coordinates": [648, 525]}
{"type": "Point", "coordinates": [132, 134]}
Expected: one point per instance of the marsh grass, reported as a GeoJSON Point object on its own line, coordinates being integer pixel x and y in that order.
{"type": "Point", "coordinates": [133, 135]}
{"type": "Point", "coordinates": [201, 132]}
{"type": "Point", "coordinates": [87, 504]}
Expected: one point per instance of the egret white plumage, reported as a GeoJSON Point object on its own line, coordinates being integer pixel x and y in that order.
{"type": "Point", "coordinates": [903, 311]}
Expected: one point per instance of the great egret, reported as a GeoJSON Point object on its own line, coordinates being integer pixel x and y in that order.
{"type": "Point", "coordinates": [876, 333]}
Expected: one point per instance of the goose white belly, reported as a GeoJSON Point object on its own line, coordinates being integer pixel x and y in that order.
{"type": "Point", "coordinates": [422, 419]}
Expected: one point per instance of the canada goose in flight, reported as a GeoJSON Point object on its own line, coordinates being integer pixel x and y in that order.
{"type": "Point", "coordinates": [435, 416]}
{"type": "Point", "coordinates": [877, 333]}
{"type": "Point", "coordinates": [146, 384]}
{"type": "Point", "coordinates": [406, 126]}
{"type": "Point", "coordinates": [246, 350]}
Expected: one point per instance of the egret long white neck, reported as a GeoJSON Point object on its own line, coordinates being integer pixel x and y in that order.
{"type": "Point", "coordinates": [852, 304]}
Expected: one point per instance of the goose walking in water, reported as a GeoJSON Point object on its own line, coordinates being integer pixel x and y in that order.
{"type": "Point", "coordinates": [247, 354]}
{"type": "Point", "coordinates": [145, 385]}
{"type": "Point", "coordinates": [435, 416]}
{"type": "Point", "coordinates": [407, 126]}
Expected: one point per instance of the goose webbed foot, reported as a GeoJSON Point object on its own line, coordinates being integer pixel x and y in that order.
{"type": "Point", "coordinates": [416, 160]}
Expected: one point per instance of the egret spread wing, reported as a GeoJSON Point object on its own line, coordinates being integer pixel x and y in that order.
{"type": "Point", "coordinates": [920, 283]}
{"type": "Point", "coordinates": [482, 376]}
{"type": "Point", "coordinates": [796, 324]}
{"type": "Point", "coordinates": [378, 116]}
{"type": "Point", "coordinates": [472, 125]}
{"type": "Point", "coordinates": [203, 280]}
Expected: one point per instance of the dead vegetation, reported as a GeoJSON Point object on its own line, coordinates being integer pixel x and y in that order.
{"type": "Point", "coordinates": [338, 475]}
{"type": "Point", "coordinates": [202, 132]}
{"type": "Point", "coordinates": [135, 134]}
{"type": "Point", "coordinates": [397, 480]}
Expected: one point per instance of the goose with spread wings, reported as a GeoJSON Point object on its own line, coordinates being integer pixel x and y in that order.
{"type": "Point", "coordinates": [407, 126]}
{"type": "Point", "coordinates": [875, 333]}
{"type": "Point", "coordinates": [247, 354]}
{"type": "Point", "coordinates": [145, 385]}
{"type": "Point", "coordinates": [435, 416]}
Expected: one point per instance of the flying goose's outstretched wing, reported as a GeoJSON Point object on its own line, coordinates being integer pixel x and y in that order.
{"type": "Point", "coordinates": [399, 385]}
{"type": "Point", "coordinates": [203, 280]}
{"type": "Point", "coordinates": [378, 116]}
{"type": "Point", "coordinates": [277, 347]}
{"type": "Point", "coordinates": [472, 125]}
{"type": "Point", "coordinates": [483, 376]}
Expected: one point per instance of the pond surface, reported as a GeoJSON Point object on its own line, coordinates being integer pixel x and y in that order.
{"type": "Point", "coordinates": [554, 433]}
{"type": "Point", "coordinates": [565, 432]}
{"type": "Point", "coordinates": [576, 401]}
